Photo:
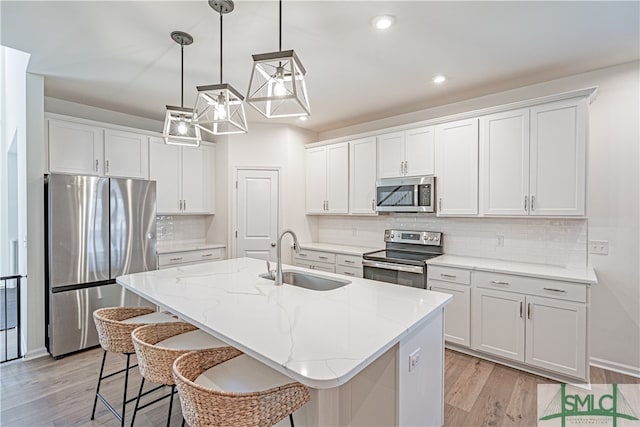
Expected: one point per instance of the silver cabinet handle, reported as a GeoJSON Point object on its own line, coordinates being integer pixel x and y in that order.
{"type": "Point", "coordinates": [184, 205]}
{"type": "Point", "coordinates": [96, 165]}
{"type": "Point", "coordinates": [106, 166]}
{"type": "Point", "coordinates": [521, 304]}
{"type": "Point", "coordinates": [180, 205]}
{"type": "Point", "coordinates": [499, 282]}
{"type": "Point", "coordinates": [348, 261]}
{"type": "Point", "coordinates": [327, 205]}
{"type": "Point", "coordinates": [440, 204]}
{"type": "Point", "coordinates": [528, 310]}
{"type": "Point", "coordinates": [406, 167]}
{"type": "Point", "coordinates": [562, 291]}
{"type": "Point", "coordinates": [448, 276]}
{"type": "Point", "coordinates": [302, 254]}
{"type": "Point", "coordinates": [533, 203]}
{"type": "Point", "coordinates": [401, 168]}
{"type": "Point", "coordinates": [373, 205]}
{"type": "Point", "coordinates": [176, 259]}
{"type": "Point", "coordinates": [348, 273]}
{"type": "Point", "coordinates": [206, 255]}
{"type": "Point", "coordinates": [322, 257]}
{"type": "Point", "coordinates": [526, 199]}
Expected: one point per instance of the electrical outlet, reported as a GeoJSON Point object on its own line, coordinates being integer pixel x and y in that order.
{"type": "Point", "coordinates": [500, 241]}
{"type": "Point", "coordinates": [600, 247]}
{"type": "Point", "coordinates": [414, 359]}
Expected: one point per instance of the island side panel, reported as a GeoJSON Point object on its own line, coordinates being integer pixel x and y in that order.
{"type": "Point", "coordinates": [421, 387]}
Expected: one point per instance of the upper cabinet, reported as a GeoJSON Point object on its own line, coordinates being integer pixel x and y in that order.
{"type": "Point", "coordinates": [183, 178]}
{"type": "Point", "coordinates": [457, 168]}
{"type": "Point", "coordinates": [532, 161]}
{"type": "Point", "coordinates": [406, 153]}
{"type": "Point", "coordinates": [328, 179]}
{"type": "Point", "coordinates": [126, 154]}
{"type": "Point", "coordinates": [362, 176]}
{"type": "Point", "coordinates": [77, 148]}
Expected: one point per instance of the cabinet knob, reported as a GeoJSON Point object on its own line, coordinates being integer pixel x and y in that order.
{"type": "Point", "coordinates": [273, 244]}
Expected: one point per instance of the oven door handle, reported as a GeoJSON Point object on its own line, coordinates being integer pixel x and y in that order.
{"type": "Point", "coordinates": [394, 267]}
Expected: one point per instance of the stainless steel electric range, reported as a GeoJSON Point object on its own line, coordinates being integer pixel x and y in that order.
{"type": "Point", "coordinates": [403, 262]}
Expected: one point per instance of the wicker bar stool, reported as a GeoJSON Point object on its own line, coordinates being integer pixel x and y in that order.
{"type": "Point", "coordinates": [226, 388]}
{"type": "Point", "coordinates": [114, 326]}
{"type": "Point", "coordinates": [158, 346]}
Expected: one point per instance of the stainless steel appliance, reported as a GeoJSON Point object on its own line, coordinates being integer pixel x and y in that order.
{"type": "Point", "coordinates": [403, 262]}
{"type": "Point", "coordinates": [95, 230]}
{"type": "Point", "coordinates": [410, 194]}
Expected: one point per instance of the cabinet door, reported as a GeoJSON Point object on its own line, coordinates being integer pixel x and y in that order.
{"type": "Point", "coordinates": [75, 148]}
{"type": "Point", "coordinates": [504, 163]}
{"type": "Point", "coordinates": [457, 168]}
{"type": "Point", "coordinates": [196, 179]}
{"type": "Point", "coordinates": [498, 323]}
{"type": "Point", "coordinates": [338, 178]}
{"type": "Point", "coordinates": [164, 168]}
{"type": "Point", "coordinates": [457, 318]}
{"type": "Point", "coordinates": [419, 151]}
{"type": "Point", "coordinates": [126, 154]}
{"type": "Point", "coordinates": [391, 155]}
{"type": "Point", "coordinates": [558, 146]}
{"type": "Point", "coordinates": [362, 176]}
{"type": "Point", "coordinates": [316, 176]}
{"type": "Point", "coordinates": [556, 335]}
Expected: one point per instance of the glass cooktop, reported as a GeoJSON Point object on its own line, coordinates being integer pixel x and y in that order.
{"type": "Point", "coordinates": [400, 256]}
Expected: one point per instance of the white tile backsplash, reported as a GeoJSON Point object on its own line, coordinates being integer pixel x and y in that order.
{"type": "Point", "coordinates": [172, 229]}
{"type": "Point", "coordinates": [561, 242]}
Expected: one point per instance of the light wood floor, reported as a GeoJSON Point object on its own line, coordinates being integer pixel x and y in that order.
{"type": "Point", "coordinates": [48, 392]}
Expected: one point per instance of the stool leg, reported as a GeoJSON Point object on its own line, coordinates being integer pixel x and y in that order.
{"type": "Point", "coordinates": [124, 393]}
{"type": "Point", "coordinates": [135, 409]}
{"type": "Point", "coordinates": [291, 420]}
{"type": "Point", "coordinates": [182, 421]}
{"type": "Point", "coordinates": [173, 389]}
{"type": "Point", "coordinates": [95, 399]}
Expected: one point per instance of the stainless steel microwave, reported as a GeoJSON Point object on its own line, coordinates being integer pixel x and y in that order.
{"type": "Point", "coordinates": [410, 194]}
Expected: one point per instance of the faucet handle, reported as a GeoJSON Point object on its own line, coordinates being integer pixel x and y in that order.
{"type": "Point", "coordinates": [270, 271]}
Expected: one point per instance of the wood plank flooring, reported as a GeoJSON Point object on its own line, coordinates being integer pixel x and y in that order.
{"type": "Point", "coordinates": [48, 392]}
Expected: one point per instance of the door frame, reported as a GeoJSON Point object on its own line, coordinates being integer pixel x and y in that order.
{"type": "Point", "coordinates": [233, 206]}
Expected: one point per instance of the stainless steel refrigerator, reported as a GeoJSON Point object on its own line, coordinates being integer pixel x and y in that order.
{"type": "Point", "coordinates": [96, 229]}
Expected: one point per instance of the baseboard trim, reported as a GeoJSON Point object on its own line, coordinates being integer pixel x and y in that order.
{"type": "Point", "coordinates": [620, 368]}
{"type": "Point", "coordinates": [36, 354]}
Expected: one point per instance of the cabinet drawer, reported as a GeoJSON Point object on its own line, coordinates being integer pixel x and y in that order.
{"type": "Point", "coordinates": [530, 285]}
{"type": "Point", "coordinates": [306, 255]}
{"type": "Point", "coordinates": [349, 260]}
{"type": "Point", "coordinates": [314, 265]}
{"type": "Point", "coordinates": [203, 255]}
{"type": "Point", "coordinates": [447, 274]}
{"type": "Point", "coordinates": [349, 271]}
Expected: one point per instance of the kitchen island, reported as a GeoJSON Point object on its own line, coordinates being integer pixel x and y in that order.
{"type": "Point", "coordinates": [371, 352]}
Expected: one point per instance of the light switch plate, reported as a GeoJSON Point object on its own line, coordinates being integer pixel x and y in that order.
{"type": "Point", "coordinates": [599, 247]}
{"type": "Point", "coordinates": [414, 359]}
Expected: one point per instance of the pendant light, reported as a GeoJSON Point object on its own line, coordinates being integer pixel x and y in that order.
{"type": "Point", "coordinates": [219, 108]}
{"type": "Point", "coordinates": [277, 86]}
{"type": "Point", "coordinates": [179, 128]}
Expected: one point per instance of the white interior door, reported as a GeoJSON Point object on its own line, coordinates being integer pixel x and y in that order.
{"type": "Point", "coordinates": [257, 213]}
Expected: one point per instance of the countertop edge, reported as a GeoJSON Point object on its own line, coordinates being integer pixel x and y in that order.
{"type": "Point", "coordinates": [338, 249]}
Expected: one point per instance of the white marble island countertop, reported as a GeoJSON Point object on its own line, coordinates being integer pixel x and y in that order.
{"type": "Point", "coordinates": [320, 338]}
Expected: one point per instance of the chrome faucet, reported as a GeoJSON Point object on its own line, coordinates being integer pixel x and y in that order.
{"type": "Point", "coordinates": [296, 247]}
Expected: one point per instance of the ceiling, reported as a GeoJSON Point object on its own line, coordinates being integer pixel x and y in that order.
{"type": "Point", "coordinates": [118, 55]}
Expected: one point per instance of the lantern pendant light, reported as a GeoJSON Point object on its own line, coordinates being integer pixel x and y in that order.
{"type": "Point", "coordinates": [219, 108]}
{"type": "Point", "coordinates": [277, 86]}
{"type": "Point", "coordinates": [179, 128]}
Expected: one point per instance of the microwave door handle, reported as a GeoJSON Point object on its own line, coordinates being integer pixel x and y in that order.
{"type": "Point", "coordinates": [394, 267]}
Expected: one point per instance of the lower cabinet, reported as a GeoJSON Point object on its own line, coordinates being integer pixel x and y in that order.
{"type": "Point", "coordinates": [457, 324]}
{"type": "Point", "coordinates": [174, 259]}
{"type": "Point", "coordinates": [349, 265]}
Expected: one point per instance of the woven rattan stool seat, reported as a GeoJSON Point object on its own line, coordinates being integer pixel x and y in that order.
{"type": "Point", "coordinates": [220, 388]}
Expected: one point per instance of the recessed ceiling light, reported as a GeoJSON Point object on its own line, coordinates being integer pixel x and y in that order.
{"type": "Point", "coordinates": [383, 22]}
{"type": "Point", "coordinates": [303, 118]}
{"type": "Point", "coordinates": [439, 79]}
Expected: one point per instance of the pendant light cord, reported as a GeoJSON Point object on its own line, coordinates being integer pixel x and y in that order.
{"type": "Point", "coordinates": [181, 75]}
{"type": "Point", "coordinates": [280, 28]}
{"type": "Point", "coordinates": [221, 47]}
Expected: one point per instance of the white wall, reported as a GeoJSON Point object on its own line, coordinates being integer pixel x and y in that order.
{"type": "Point", "coordinates": [612, 206]}
{"type": "Point", "coordinates": [265, 145]}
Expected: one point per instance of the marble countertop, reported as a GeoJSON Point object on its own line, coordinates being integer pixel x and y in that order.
{"type": "Point", "coordinates": [581, 275]}
{"type": "Point", "coordinates": [167, 248]}
{"type": "Point", "coordinates": [340, 249]}
{"type": "Point", "coordinates": [320, 338]}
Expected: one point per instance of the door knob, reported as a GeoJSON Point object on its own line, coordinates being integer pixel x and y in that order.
{"type": "Point", "coordinates": [273, 245]}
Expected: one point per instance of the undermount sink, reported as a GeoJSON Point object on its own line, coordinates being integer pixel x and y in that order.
{"type": "Point", "coordinates": [308, 281]}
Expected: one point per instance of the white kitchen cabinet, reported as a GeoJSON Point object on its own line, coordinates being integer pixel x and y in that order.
{"type": "Point", "coordinates": [532, 161]}
{"type": "Point", "coordinates": [331, 262]}
{"type": "Point", "coordinates": [558, 158]}
{"type": "Point", "coordinates": [174, 259]}
{"type": "Point", "coordinates": [75, 148]}
{"type": "Point", "coordinates": [556, 335]}
{"type": "Point", "coordinates": [126, 154]}
{"type": "Point", "coordinates": [362, 176]}
{"type": "Point", "coordinates": [183, 178]}
{"type": "Point", "coordinates": [504, 163]}
{"type": "Point", "coordinates": [457, 168]}
{"type": "Point", "coordinates": [406, 153]}
{"type": "Point", "coordinates": [456, 282]}
{"type": "Point", "coordinates": [327, 179]}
